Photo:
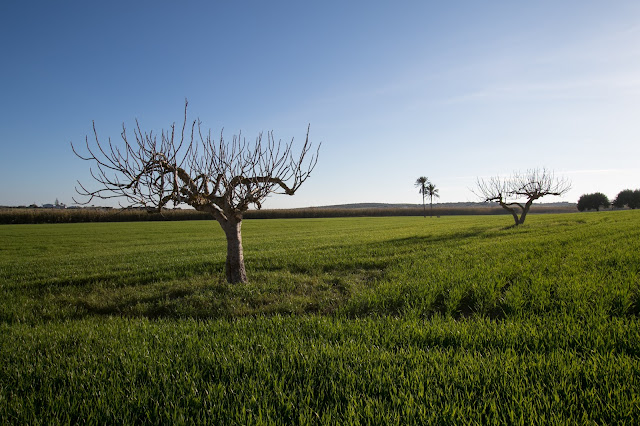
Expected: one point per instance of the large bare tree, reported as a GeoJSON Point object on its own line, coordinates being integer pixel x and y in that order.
{"type": "Point", "coordinates": [185, 166]}
{"type": "Point", "coordinates": [517, 192]}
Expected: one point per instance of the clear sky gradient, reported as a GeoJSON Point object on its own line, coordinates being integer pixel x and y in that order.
{"type": "Point", "coordinates": [393, 90]}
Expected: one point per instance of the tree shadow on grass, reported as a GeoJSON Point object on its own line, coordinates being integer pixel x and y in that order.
{"type": "Point", "coordinates": [117, 307]}
{"type": "Point", "coordinates": [437, 238]}
{"type": "Point", "coordinates": [117, 280]}
{"type": "Point", "coordinates": [208, 297]}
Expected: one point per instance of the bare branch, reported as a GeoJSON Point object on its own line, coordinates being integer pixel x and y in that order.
{"type": "Point", "coordinates": [529, 186]}
{"type": "Point", "coordinates": [207, 174]}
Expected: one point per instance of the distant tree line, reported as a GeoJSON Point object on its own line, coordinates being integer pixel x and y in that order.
{"type": "Point", "coordinates": [627, 198]}
{"type": "Point", "coordinates": [593, 201]}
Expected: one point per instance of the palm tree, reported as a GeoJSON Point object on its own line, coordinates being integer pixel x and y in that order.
{"type": "Point", "coordinates": [422, 183]}
{"type": "Point", "coordinates": [432, 192]}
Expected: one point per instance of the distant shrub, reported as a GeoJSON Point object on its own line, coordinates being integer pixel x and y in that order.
{"type": "Point", "coordinates": [628, 198]}
{"type": "Point", "coordinates": [593, 201]}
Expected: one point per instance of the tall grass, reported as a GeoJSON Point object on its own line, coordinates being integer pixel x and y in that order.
{"type": "Point", "coordinates": [319, 370]}
{"type": "Point", "coordinates": [41, 215]}
{"type": "Point", "coordinates": [399, 320]}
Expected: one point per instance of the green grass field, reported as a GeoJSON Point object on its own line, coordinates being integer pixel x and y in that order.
{"type": "Point", "coordinates": [399, 320]}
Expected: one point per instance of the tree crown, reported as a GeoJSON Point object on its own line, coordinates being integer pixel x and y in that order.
{"type": "Point", "coordinates": [593, 201]}
{"type": "Point", "coordinates": [191, 167]}
{"type": "Point", "coordinates": [530, 185]}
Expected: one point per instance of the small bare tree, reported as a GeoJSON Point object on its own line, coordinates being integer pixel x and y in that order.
{"type": "Point", "coordinates": [516, 193]}
{"type": "Point", "coordinates": [218, 177]}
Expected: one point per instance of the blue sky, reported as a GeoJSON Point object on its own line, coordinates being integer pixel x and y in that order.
{"type": "Point", "coordinates": [393, 90]}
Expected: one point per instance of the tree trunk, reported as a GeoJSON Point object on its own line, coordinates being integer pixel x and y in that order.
{"type": "Point", "coordinates": [512, 211]}
{"type": "Point", "coordinates": [525, 210]}
{"type": "Point", "coordinates": [235, 270]}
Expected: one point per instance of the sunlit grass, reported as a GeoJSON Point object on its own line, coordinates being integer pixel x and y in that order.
{"type": "Point", "coordinates": [455, 266]}
{"type": "Point", "coordinates": [354, 320]}
{"type": "Point", "coordinates": [98, 214]}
